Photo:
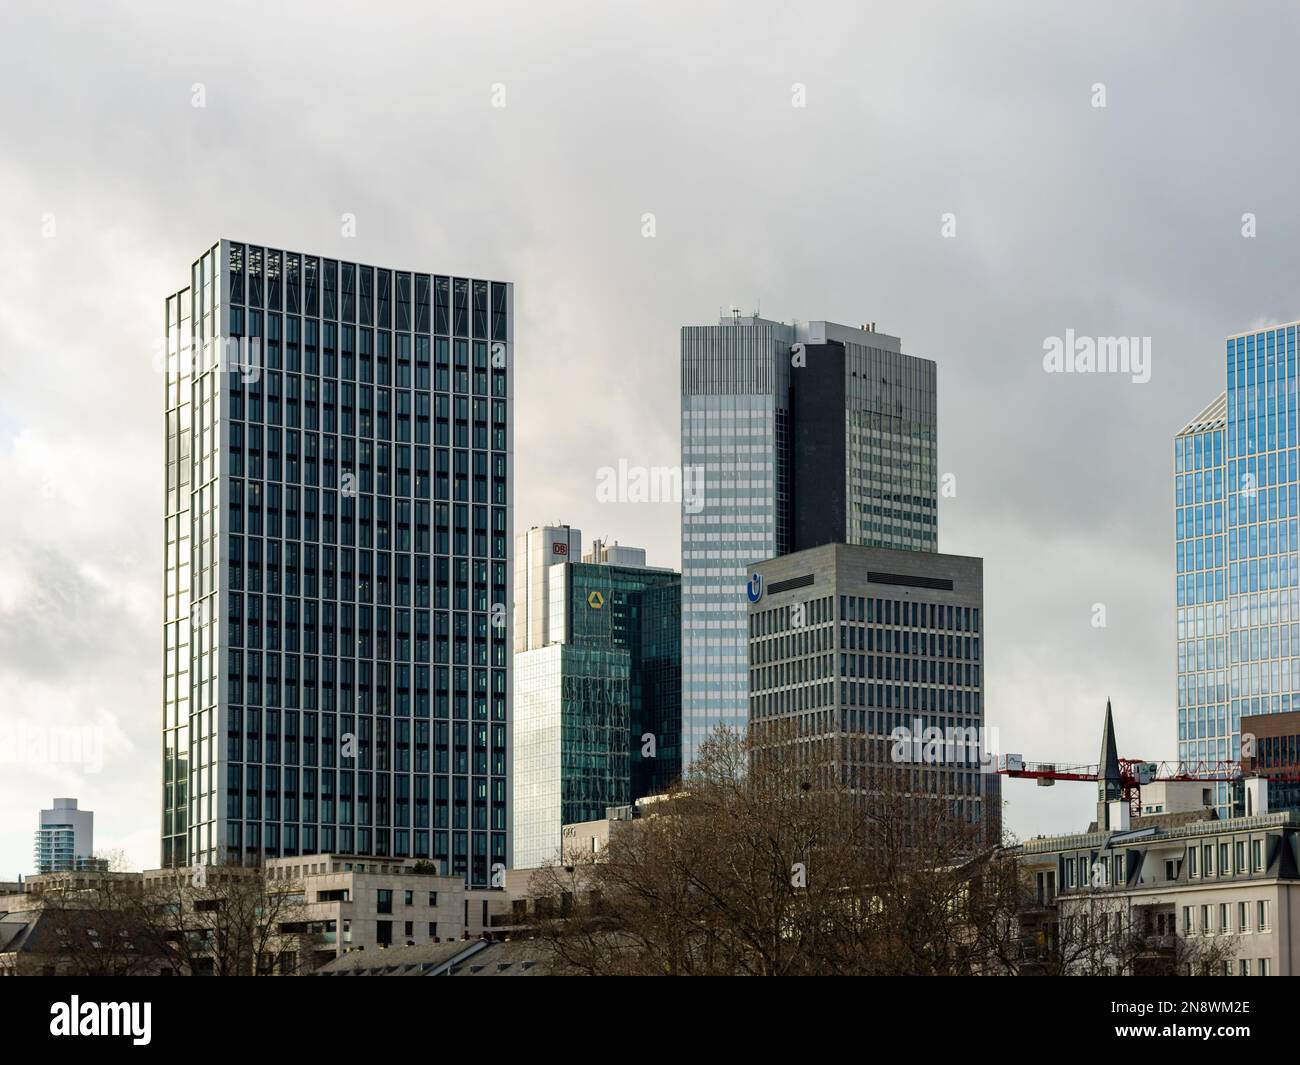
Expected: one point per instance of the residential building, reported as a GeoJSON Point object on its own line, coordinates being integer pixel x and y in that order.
{"type": "Point", "coordinates": [338, 571]}
{"type": "Point", "coordinates": [859, 657]}
{"type": "Point", "coordinates": [1173, 891]}
{"type": "Point", "coordinates": [794, 435]}
{"type": "Point", "coordinates": [597, 697]}
{"type": "Point", "coordinates": [65, 838]}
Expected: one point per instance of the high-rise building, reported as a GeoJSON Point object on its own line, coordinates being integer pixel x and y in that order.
{"type": "Point", "coordinates": [863, 661]}
{"type": "Point", "coordinates": [597, 705]}
{"type": "Point", "coordinates": [1237, 553]}
{"type": "Point", "coordinates": [337, 577]}
{"type": "Point", "coordinates": [65, 839]}
{"type": "Point", "coordinates": [799, 435]}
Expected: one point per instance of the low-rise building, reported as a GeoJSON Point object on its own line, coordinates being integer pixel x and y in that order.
{"type": "Point", "coordinates": [1170, 893]}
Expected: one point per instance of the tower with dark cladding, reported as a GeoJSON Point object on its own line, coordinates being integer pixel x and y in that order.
{"type": "Point", "coordinates": [1110, 786]}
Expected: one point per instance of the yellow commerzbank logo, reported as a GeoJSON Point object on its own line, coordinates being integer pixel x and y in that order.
{"type": "Point", "coordinates": [595, 600]}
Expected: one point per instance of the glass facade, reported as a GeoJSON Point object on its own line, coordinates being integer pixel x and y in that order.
{"type": "Point", "coordinates": [1237, 561]}
{"type": "Point", "coordinates": [585, 704]}
{"type": "Point", "coordinates": [738, 432]}
{"type": "Point", "coordinates": [338, 574]}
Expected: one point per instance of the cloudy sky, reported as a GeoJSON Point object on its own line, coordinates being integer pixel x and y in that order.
{"type": "Point", "coordinates": [1122, 220]}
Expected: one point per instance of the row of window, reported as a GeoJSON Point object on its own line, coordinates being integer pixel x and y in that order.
{"type": "Point", "coordinates": [331, 289]}
{"type": "Point", "coordinates": [1218, 919]}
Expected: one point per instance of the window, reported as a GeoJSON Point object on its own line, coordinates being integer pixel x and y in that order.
{"type": "Point", "coordinates": [384, 900]}
{"type": "Point", "coordinates": [1205, 920]}
{"type": "Point", "coordinates": [410, 898]}
{"type": "Point", "coordinates": [1263, 966]}
{"type": "Point", "coordinates": [1245, 966]}
{"type": "Point", "coordinates": [1243, 917]}
{"type": "Point", "coordinates": [433, 929]}
{"type": "Point", "coordinates": [408, 929]}
{"type": "Point", "coordinates": [1191, 861]}
{"type": "Point", "coordinates": [433, 898]}
{"type": "Point", "coordinates": [1207, 859]}
{"type": "Point", "coordinates": [1225, 867]}
{"type": "Point", "coordinates": [1188, 927]}
{"type": "Point", "coordinates": [384, 932]}
{"type": "Point", "coordinates": [1223, 917]}
{"type": "Point", "coordinates": [1241, 856]}
{"type": "Point", "coordinates": [1256, 855]}
{"type": "Point", "coordinates": [1261, 917]}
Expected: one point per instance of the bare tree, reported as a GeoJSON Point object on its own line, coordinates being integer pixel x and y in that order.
{"type": "Point", "coordinates": [762, 862]}
{"type": "Point", "coordinates": [229, 921]}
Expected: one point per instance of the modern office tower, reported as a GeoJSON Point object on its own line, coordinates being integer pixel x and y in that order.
{"type": "Point", "coordinates": [798, 435]}
{"type": "Point", "coordinates": [597, 705]}
{"type": "Point", "coordinates": [65, 838]}
{"type": "Point", "coordinates": [1237, 552]}
{"type": "Point", "coordinates": [857, 653]}
{"type": "Point", "coordinates": [338, 533]}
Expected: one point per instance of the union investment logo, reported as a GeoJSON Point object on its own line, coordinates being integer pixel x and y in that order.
{"type": "Point", "coordinates": [754, 589]}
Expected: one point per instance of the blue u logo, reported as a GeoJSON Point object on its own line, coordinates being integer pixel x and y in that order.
{"type": "Point", "coordinates": [754, 589]}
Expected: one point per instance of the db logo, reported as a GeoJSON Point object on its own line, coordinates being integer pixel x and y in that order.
{"type": "Point", "coordinates": [754, 589]}
{"type": "Point", "coordinates": [559, 549]}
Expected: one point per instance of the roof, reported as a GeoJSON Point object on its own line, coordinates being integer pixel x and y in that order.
{"type": "Point", "coordinates": [417, 960]}
{"type": "Point", "coordinates": [514, 957]}
{"type": "Point", "coordinates": [1215, 416]}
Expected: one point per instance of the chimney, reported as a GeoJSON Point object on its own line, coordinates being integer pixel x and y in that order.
{"type": "Point", "coordinates": [1256, 796]}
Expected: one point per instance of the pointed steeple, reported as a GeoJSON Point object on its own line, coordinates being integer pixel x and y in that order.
{"type": "Point", "coordinates": [1109, 782]}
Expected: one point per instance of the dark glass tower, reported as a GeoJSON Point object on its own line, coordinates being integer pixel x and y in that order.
{"type": "Point", "coordinates": [597, 697]}
{"type": "Point", "coordinates": [337, 579]}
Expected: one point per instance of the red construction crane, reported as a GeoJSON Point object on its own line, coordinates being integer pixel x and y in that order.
{"type": "Point", "coordinates": [1119, 778]}
{"type": "Point", "coordinates": [1134, 773]}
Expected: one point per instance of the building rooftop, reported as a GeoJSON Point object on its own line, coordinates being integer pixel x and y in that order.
{"type": "Point", "coordinates": [1215, 416]}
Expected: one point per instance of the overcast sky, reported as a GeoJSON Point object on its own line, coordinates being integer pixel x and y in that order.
{"type": "Point", "coordinates": [1122, 220]}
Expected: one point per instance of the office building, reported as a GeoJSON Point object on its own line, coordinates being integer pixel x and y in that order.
{"type": "Point", "coordinates": [597, 696]}
{"type": "Point", "coordinates": [860, 657]}
{"type": "Point", "coordinates": [1271, 748]}
{"type": "Point", "coordinates": [338, 534]}
{"type": "Point", "coordinates": [65, 839]}
{"type": "Point", "coordinates": [1237, 557]}
{"type": "Point", "coordinates": [793, 435]}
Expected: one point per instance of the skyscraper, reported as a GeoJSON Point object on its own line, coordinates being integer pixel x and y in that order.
{"type": "Point", "coordinates": [860, 657]}
{"type": "Point", "coordinates": [337, 577]}
{"type": "Point", "coordinates": [65, 838]}
{"type": "Point", "coordinates": [1237, 553]}
{"type": "Point", "coordinates": [806, 434]}
{"type": "Point", "coordinates": [597, 693]}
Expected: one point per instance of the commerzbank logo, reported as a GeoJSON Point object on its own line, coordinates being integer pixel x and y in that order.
{"type": "Point", "coordinates": [595, 600]}
{"type": "Point", "coordinates": [754, 589]}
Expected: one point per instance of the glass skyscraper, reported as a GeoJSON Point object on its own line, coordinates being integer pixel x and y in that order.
{"type": "Point", "coordinates": [597, 698]}
{"type": "Point", "coordinates": [1237, 561]}
{"type": "Point", "coordinates": [337, 566]}
{"type": "Point", "coordinates": [803, 434]}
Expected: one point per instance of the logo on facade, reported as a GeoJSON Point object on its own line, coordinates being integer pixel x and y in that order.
{"type": "Point", "coordinates": [595, 600]}
{"type": "Point", "coordinates": [754, 589]}
{"type": "Point", "coordinates": [559, 549]}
